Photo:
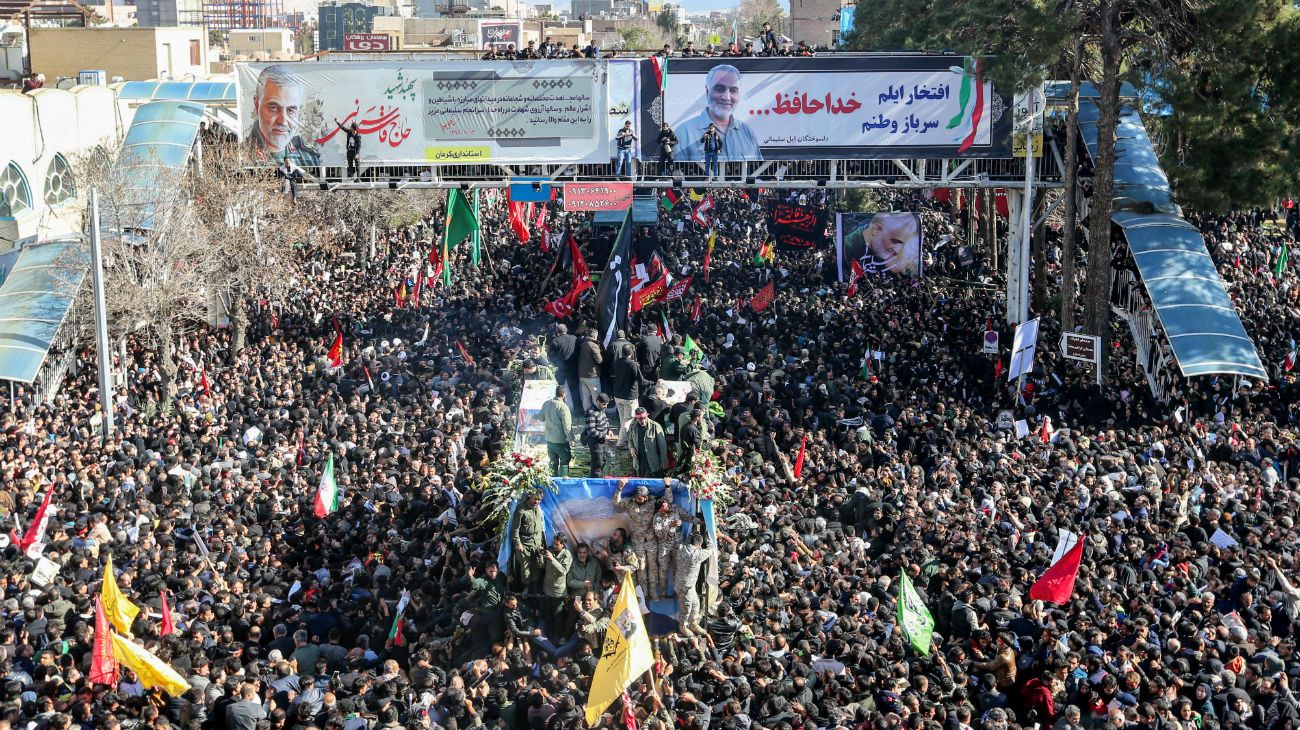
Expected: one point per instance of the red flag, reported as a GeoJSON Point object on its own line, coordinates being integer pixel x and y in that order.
{"type": "Point", "coordinates": [203, 381]}
{"type": "Point", "coordinates": [561, 308]}
{"type": "Point", "coordinates": [1000, 202]}
{"type": "Point", "coordinates": [943, 195]}
{"type": "Point", "coordinates": [465, 354]}
{"type": "Point", "coordinates": [1045, 431]}
{"type": "Point", "coordinates": [854, 277]}
{"type": "Point", "coordinates": [518, 216]}
{"type": "Point", "coordinates": [764, 297]}
{"type": "Point", "coordinates": [419, 280]}
{"type": "Point", "coordinates": [798, 461]}
{"type": "Point", "coordinates": [369, 379]}
{"type": "Point", "coordinates": [399, 294]}
{"type": "Point", "coordinates": [36, 531]}
{"type": "Point", "coordinates": [695, 309]}
{"type": "Point", "coordinates": [650, 293]}
{"type": "Point", "coordinates": [678, 290]}
{"type": "Point", "coordinates": [336, 351]}
{"type": "Point", "coordinates": [581, 274]}
{"type": "Point", "coordinates": [708, 257]}
{"type": "Point", "coordinates": [702, 212]}
{"type": "Point", "coordinates": [1056, 584]}
{"type": "Point", "coordinates": [540, 222]}
{"type": "Point", "coordinates": [167, 626]}
{"type": "Point", "coordinates": [629, 715]}
{"type": "Point", "coordinates": [103, 663]}
{"type": "Point", "coordinates": [997, 370]}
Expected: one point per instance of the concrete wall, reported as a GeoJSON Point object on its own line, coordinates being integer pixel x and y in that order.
{"type": "Point", "coordinates": [41, 126]}
{"type": "Point", "coordinates": [135, 54]}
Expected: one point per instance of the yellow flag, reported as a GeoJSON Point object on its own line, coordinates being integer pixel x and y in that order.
{"type": "Point", "coordinates": [152, 671]}
{"type": "Point", "coordinates": [695, 195]}
{"type": "Point", "coordinates": [121, 612]}
{"type": "Point", "coordinates": [625, 655]}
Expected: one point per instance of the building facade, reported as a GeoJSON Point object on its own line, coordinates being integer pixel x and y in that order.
{"type": "Point", "coordinates": [169, 13]}
{"type": "Point", "coordinates": [815, 21]}
{"type": "Point", "coordinates": [131, 54]}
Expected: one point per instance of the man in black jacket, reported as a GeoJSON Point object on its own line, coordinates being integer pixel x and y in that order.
{"type": "Point", "coordinates": [562, 351]}
{"type": "Point", "coordinates": [648, 352]}
{"type": "Point", "coordinates": [667, 144]}
{"type": "Point", "coordinates": [628, 382]}
{"type": "Point", "coordinates": [597, 435]}
{"type": "Point", "coordinates": [590, 358]}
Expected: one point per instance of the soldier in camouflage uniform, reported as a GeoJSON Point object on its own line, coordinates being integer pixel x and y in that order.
{"type": "Point", "coordinates": [528, 535]}
{"type": "Point", "coordinates": [640, 524]}
{"type": "Point", "coordinates": [690, 557]}
{"type": "Point", "coordinates": [668, 537]}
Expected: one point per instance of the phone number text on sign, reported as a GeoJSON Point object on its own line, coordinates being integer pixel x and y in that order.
{"type": "Point", "coordinates": [597, 196]}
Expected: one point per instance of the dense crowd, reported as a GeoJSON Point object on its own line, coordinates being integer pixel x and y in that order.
{"type": "Point", "coordinates": [1183, 618]}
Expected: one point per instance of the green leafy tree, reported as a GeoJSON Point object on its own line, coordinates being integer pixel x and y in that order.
{"type": "Point", "coordinates": [1226, 112]}
{"type": "Point", "coordinates": [754, 13]}
{"type": "Point", "coordinates": [638, 39]}
{"type": "Point", "coordinates": [667, 22]}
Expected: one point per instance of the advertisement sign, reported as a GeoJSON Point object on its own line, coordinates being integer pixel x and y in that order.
{"type": "Point", "coordinates": [797, 227]}
{"type": "Point", "coordinates": [491, 34]}
{"type": "Point", "coordinates": [367, 42]}
{"type": "Point", "coordinates": [880, 242]}
{"type": "Point", "coordinates": [597, 196]}
{"type": "Point", "coordinates": [418, 112]}
{"type": "Point", "coordinates": [1034, 113]}
{"type": "Point", "coordinates": [829, 107]}
{"type": "Point", "coordinates": [624, 102]}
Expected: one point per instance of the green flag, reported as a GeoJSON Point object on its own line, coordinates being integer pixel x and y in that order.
{"type": "Point", "coordinates": [692, 350]}
{"type": "Point", "coordinates": [913, 617]}
{"type": "Point", "coordinates": [1281, 261]}
{"type": "Point", "coordinates": [461, 220]}
{"type": "Point", "coordinates": [866, 364]}
{"type": "Point", "coordinates": [475, 237]}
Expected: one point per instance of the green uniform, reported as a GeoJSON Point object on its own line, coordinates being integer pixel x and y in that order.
{"type": "Point", "coordinates": [529, 531]}
{"type": "Point", "coordinates": [702, 383]}
{"type": "Point", "coordinates": [491, 591]}
{"type": "Point", "coordinates": [674, 368]}
{"type": "Point", "coordinates": [579, 574]}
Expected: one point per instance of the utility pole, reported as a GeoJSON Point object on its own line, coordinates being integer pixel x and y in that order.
{"type": "Point", "coordinates": [101, 318]}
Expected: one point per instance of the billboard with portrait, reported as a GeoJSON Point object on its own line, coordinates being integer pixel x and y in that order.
{"type": "Point", "coordinates": [881, 243]}
{"type": "Point", "coordinates": [624, 100]}
{"type": "Point", "coordinates": [421, 112]}
{"type": "Point", "coordinates": [828, 107]}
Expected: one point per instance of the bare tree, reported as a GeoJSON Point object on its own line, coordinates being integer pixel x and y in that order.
{"type": "Point", "coordinates": [158, 263]}
{"type": "Point", "coordinates": [255, 231]}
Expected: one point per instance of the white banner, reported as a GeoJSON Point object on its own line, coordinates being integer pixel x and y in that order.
{"type": "Point", "coordinates": [420, 112]}
{"type": "Point", "coordinates": [1022, 349]}
{"type": "Point", "coordinates": [624, 102]}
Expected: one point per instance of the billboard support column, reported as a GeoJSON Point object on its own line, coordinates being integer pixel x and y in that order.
{"type": "Point", "coordinates": [1017, 262]}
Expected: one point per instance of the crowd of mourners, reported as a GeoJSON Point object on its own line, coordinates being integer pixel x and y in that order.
{"type": "Point", "coordinates": [1184, 616]}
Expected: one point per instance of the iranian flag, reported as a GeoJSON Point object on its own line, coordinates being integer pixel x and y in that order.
{"type": "Point", "coordinates": [396, 632]}
{"type": "Point", "coordinates": [327, 494]}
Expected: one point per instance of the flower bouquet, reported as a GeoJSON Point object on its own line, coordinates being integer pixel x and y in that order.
{"type": "Point", "coordinates": [508, 479]}
{"type": "Point", "coordinates": [707, 479]}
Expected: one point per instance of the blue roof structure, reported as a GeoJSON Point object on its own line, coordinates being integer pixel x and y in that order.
{"type": "Point", "coordinates": [1199, 320]}
{"type": "Point", "coordinates": [208, 92]}
{"type": "Point", "coordinates": [158, 143]}
{"type": "Point", "coordinates": [34, 300]}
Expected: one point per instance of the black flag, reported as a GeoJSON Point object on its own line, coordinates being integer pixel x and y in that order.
{"type": "Point", "coordinates": [615, 291]}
